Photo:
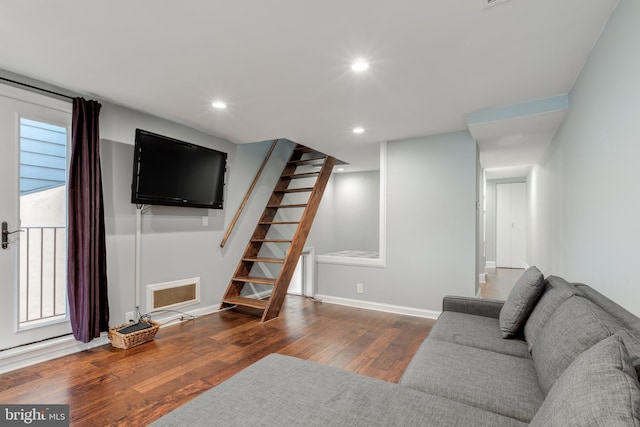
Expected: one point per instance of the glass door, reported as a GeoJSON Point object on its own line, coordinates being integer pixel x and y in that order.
{"type": "Point", "coordinates": [34, 147]}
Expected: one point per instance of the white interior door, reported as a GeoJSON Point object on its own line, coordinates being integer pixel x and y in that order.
{"type": "Point", "coordinates": [511, 225]}
{"type": "Point", "coordinates": [32, 276]}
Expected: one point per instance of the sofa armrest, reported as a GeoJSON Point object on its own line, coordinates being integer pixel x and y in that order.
{"type": "Point", "coordinates": [470, 305]}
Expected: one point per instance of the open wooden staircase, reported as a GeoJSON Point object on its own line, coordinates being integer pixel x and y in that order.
{"type": "Point", "coordinates": [262, 277]}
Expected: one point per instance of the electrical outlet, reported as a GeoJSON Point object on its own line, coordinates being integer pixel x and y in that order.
{"type": "Point", "coordinates": [205, 221]}
{"type": "Point", "coordinates": [128, 317]}
{"type": "Point", "coordinates": [359, 288]}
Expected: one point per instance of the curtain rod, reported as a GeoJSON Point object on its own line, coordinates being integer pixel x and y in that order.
{"type": "Point", "coordinates": [36, 88]}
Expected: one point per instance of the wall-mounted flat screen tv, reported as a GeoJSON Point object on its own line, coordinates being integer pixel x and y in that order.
{"type": "Point", "coordinates": [170, 172]}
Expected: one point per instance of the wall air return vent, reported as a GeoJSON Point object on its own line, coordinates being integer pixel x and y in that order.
{"type": "Point", "coordinates": [171, 295]}
{"type": "Point", "coordinates": [490, 3]}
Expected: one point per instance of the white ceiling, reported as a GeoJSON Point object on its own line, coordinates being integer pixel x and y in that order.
{"type": "Point", "coordinates": [515, 142]}
{"type": "Point", "coordinates": [282, 66]}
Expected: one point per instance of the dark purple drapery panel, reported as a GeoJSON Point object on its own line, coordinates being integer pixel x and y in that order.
{"type": "Point", "coordinates": [87, 271]}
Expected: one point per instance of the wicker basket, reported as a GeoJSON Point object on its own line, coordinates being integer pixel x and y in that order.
{"type": "Point", "coordinates": [133, 339]}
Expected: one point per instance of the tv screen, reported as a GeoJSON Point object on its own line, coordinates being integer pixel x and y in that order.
{"type": "Point", "coordinates": [176, 173]}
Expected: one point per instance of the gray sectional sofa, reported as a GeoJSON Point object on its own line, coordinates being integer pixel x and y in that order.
{"type": "Point", "coordinates": [554, 354]}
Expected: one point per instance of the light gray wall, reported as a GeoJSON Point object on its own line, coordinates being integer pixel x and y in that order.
{"type": "Point", "coordinates": [174, 243]}
{"type": "Point", "coordinates": [321, 235]}
{"type": "Point", "coordinates": [431, 228]}
{"type": "Point", "coordinates": [357, 210]}
{"type": "Point", "coordinates": [349, 214]}
{"type": "Point", "coordinates": [587, 184]}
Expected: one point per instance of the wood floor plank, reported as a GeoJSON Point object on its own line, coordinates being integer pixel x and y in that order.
{"type": "Point", "coordinates": [110, 386]}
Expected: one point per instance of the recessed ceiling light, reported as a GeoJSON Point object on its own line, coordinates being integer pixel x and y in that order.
{"type": "Point", "coordinates": [360, 65]}
{"type": "Point", "coordinates": [340, 169]}
{"type": "Point", "coordinates": [219, 104]}
{"type": "Point", "coordinates": [358, 130]}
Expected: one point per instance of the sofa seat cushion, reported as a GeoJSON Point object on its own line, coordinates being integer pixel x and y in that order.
{"type": "Point", "coordinates": [600, 388]}
{"type": "Point", "coordinates": [523, 297]}
{"type": "Point", "coordinates": [495, 382]}
{"type": "Point", "coordinates": [285, 391]}
{"type": "Point", "coordinates": [476, 331]}
{"type": "Point", "coordinates": [557, 291]}
{"type": "Point", "coordinates": [575, 326]}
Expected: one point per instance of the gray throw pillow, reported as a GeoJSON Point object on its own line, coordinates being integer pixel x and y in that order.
{"type": "Point", "coordinates": [600, 388]}
{"type": "Point", "coordinates": [520, 303]}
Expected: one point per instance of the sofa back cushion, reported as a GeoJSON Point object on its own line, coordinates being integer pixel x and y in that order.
{"type": "Point", "coordinates": [632, 343]}
{"type": "Point", "coordinates": [628, 319]}
{"type": "Point", "coordinates": [600, 388]}
{"type": "Point", "coordinates": [575, 326]}
{"type": "Point", "coordinates": [557, 291]}
{"type": "Point", "coordinates": [522, 298]}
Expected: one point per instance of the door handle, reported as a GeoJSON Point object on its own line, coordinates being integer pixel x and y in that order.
{"type": "Point", "coordinates": [5, 234]}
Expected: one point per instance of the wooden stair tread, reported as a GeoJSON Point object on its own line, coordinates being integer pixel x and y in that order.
{"type": "Point", "coordinates": [278, 222]}
{"type": "Point", "coordinates": [304, 149]}
{"type": "Point", "coordinates": [298, 205]}
{"type": "Point", "coordinates": [260, 259]}
{"type": "Point", "coordinates": [295, 190]}
{"type": "Point", "coordinates": [307, 161]}
{"type": "Point", "coordinates": [247, 302]}
{"type": "Point", "coordinates": [301, 175]}
{"type": "Point", "coordinates": [256, 280]}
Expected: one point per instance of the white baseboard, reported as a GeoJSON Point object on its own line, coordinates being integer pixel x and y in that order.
{"type": "Point", "coordinates": [490, 267]}
{"type": "Point", "coordinates": [387, 308]}
{"type": "Point", "coordinates": [172, 318]}
{"type": "Point", "coordinates": [31, 354]}
{"type": "Point", "coordinates": [482, 278]}
{"type": "Point", "coordinates": [21, 357]}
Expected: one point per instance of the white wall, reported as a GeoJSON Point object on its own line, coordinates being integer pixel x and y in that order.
{"type": "Point", "coordinates": [175, 244]}
{"type": "Point", "coordinates": [587, 227]}
{"type": "Point", "coordinates": [431, 228]}
{"type": "Point", "coordinates": [45, 208]}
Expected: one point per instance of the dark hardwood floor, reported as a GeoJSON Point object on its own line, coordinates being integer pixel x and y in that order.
{"type": "Point", "coordinates": [109, 386]}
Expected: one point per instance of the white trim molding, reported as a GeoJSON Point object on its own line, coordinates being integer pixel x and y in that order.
{"type": "Point", "coordinates": [490, 267]}
{"type": "Point", "coordinates": [387, 308]}
{"type": "Point", "coordinates": [358, 262]}
{"type": "Point", "coordinates": [308, 272]}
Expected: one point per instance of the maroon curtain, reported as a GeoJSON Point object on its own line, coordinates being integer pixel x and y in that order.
{"type": "Point", "coordinates": [87, 270]}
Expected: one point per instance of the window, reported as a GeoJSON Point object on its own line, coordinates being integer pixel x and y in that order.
{"type": "Point", "coordinates": [43, 220]}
